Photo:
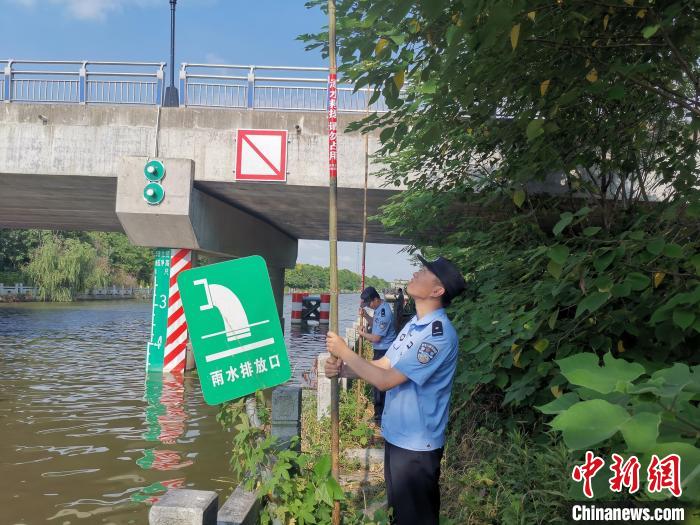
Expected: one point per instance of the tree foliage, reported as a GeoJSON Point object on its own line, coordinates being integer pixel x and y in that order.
{"type": "Point", "coordinates": [550, 149]}
{"type": "Point", "coordinates": [313, 277]}
{"type": "Point", "coordinates": [557, 322]}
{"type": "Point", "coordinates": [15, 247]}
{"type": "Point", "coordinates": [506, 93]}
{"type": "Point", "coordinates": [63, 263]}
{"type": "Point", "coordinates": [295, 486]}
{"type": "Point", "coordinates": [127, 262]}
{"type": "Point", "coordinates": [62, 268]}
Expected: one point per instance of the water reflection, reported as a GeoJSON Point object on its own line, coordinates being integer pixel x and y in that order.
{"type": "Point", "coordinates": [83, 439]}
{"type": "Point", "coordinates": [165, 414]}
{"type": "Point", "coordinates": [165, 419]}
{"type": "Point", "coordinates": [155, 491]}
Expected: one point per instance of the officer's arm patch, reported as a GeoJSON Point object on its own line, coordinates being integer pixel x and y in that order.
{"type": "Point", "coordinates": [383, 312]}
{"type": "Point", "coordinates": [426, 352]}
{"type": "Point", "coordinates": [437, 328]}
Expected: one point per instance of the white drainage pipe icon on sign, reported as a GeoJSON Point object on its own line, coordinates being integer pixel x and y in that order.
{"type": "Point", "coordinates": [236, 325]}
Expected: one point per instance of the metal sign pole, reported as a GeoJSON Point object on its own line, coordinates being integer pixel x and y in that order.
{"type": "Point", "coordinates": [172, 99]}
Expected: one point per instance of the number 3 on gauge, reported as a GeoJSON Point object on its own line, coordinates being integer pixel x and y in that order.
{"type": "Point", "coordinates": [163, 301]}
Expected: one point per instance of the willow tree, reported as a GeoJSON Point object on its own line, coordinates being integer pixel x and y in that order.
{"type": "Point", "coordinates": [63, 267]}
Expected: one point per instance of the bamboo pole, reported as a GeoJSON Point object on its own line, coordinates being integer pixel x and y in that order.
{"type": "Point", "coordinates": [333, 243]}
{"type": "Point", "coordinates": [364, 210]}
{"type": "Point", "coordinates": [361, 322]}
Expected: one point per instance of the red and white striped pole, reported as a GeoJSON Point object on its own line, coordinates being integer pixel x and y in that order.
{"type": "Point", "coordinates": [296, 307]}
{"type": "Point", "coordinates": [176, 335]}
{"type": "Point", "coordinates": [325, 308]}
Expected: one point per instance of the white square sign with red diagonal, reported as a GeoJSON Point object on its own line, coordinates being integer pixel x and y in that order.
{"type": "Point", "coordinates": [261, 155]}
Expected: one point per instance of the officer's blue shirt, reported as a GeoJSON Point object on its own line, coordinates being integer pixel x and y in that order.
{"type": "Point", "coordinates": [383, 324]}
{"type": "Point", "coordinates": [415, 412]}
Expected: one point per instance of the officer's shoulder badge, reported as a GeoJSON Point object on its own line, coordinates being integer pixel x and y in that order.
{"type": "Point", "coordinates": [383, 312]}
{"type": "Point", "coordinates": [426, 352]}
{"type": "Point", "coordinates": [437, 328]}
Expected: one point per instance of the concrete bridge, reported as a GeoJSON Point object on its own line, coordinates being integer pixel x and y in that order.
{"type": "Point", "coordinates": [81, 167]}
{"type": "Point", "coordinates": [75, 138]}
{"type": "Point", "coordinates": [72, 153]}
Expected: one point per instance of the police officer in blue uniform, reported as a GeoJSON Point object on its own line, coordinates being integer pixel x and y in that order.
{"type": "Point", "coordinates": [416, 373]}
{"type": "Point", "coordinates": [382, 336]}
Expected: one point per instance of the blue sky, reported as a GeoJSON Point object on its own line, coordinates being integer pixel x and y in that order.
{"type": "Point", "coordinates": [260, 32]}
{"type": "Point", "coordinates": [234, 31]}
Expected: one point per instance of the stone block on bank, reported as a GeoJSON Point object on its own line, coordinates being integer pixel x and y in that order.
{"type": "Point", "coordinates": [241, 508]}
{"type": "Point", "coordinates": [286, 414]}
{"type": "Point", "coordinates": [323, 388]}
{"type": "Point", "coordinates": [185, 507]}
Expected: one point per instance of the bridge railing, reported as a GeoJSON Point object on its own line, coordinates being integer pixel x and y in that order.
{"type": "Point", "coordinates": [82, 82]}
{"type": "Point", "coordinates": [20, 289]}
{"type": "Point", "coordinates": [206, 85]}
{"type": "Point", "coordinates": [267, 87]}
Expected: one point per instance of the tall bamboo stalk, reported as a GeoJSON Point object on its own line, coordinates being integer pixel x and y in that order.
{"type": "Point", "coordinates": [333, 243]}
{"type": "Point", "coordinates": [364, 210]}
{"type": "Point", "coordinates": [361, 321]}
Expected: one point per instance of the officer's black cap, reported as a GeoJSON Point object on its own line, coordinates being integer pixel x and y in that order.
{"type": "Point", "coordinates": [368, 294]}
{"type": "Point", "coordinates": [449, 275]}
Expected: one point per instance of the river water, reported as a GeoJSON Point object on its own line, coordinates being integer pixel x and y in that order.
{"type": "Point", "coordinates": [84, 437]}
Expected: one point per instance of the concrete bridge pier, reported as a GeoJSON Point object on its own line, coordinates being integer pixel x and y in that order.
{"type": "Point", "coordinates": [189, 220]}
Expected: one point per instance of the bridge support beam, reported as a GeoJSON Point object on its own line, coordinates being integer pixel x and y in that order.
{"type": "Point", "coordinates": [185, 220]}
{"type": "Point", "coordinates": [277, 281]}
{"type": "Point", "coordinates": [189, 218]}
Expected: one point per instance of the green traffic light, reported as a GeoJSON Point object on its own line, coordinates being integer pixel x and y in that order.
{"type": "Point", "coordinates": [153, 193]}
{"type": "Point", "coordinates": [154, 170]}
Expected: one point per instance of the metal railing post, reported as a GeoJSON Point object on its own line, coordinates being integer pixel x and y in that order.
{"type": "Point", "coordinates": [8, 82]}
{"type": "Point", "coordinates": [132, 84]}
{"type": "Point", "coordinates": [251, 87]}
{"type": "Point", "coordinates": [159, 84]}
{"type": "Point", "coordinates": [183, 84]}
{"type": "Point", "coordinates": [82, 84]}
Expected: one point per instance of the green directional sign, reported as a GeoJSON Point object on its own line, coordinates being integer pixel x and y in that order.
{"type": "Point", "coordinates": [234, 328]}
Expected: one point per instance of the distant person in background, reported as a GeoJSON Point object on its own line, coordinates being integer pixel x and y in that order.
{"type": "Point", "coordinates": [382, 335]}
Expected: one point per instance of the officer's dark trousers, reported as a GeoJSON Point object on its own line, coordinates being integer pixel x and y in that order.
{"type": "Point", "coordinates": [412, 485]}
{"type": "Point", "coordinates": [378, 394]}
